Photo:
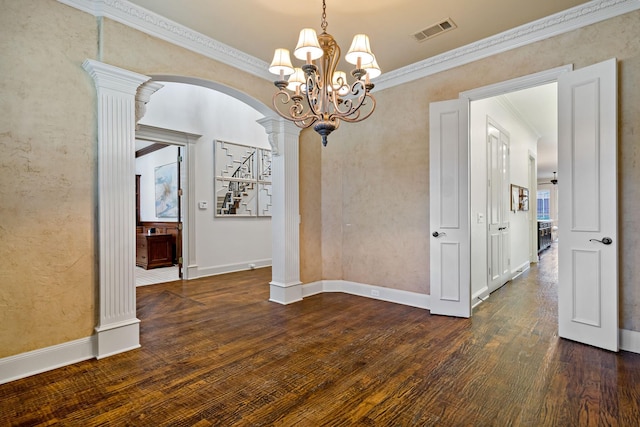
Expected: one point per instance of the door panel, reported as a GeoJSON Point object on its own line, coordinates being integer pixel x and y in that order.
{"type": "Point", "coordinates": [450, 248]}
{"type": "Point", "coordinates": [587, 156]}
{"type": "Point", "coordinates": [498, 206]}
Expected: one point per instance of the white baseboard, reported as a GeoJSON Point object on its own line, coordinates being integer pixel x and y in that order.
{"type": "Point", "coordinates": [629, 340]}
{"type": "Point", "coordinates": [478, 297]}
{"type": "Point", "coordinates": [520, 269]}
{"type": "Point", "coordinates": [46, 359]}
{"type": "Point", "coordinates": [227, 268]}
{"type": "Point", "coordinates": [412, 299]}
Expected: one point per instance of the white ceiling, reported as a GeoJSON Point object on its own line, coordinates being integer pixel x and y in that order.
{"type": "Point", "coordinates": [257, 27]}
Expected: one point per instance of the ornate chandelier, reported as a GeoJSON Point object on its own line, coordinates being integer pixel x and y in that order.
{"type": "Point", "coordinates": [321, 95]}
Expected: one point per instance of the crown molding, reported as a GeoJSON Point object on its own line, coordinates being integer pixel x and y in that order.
{"type": "Point", "coordinates": [571, 19]}
{"type": "Point", "coordinates": [165, 29]}
{"type": "Point", "coordinates": [158, 26]}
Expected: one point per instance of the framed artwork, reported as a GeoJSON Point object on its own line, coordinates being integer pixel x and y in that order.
{"type": "Point", "coordinates": [515, 197]}
{"type": "Point", "coordinates": [524, 199]}
{"type": "Point", "coordinates": [242, 180]}
{"type": "Point", "coordinates": [166, 183]}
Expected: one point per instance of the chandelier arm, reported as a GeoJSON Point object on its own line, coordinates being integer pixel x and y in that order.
{"type": "Point", "coordinates": [352, 105]}
{"type": "Point", "coordinates": [295, 111]}
{"type": "Point", "coordinates": [358, 116]}
{"type": "Point", "coordinates": [312, 95]}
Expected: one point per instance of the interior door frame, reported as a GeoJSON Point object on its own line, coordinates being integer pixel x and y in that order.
{"type": "Point", "coordinates": [524, 82]}
{"type": "Point", "coordinates": [186, 141]}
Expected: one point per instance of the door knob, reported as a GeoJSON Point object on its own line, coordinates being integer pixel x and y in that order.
{"type": "Point", "coordinates": [436, 234]}
{"type": "Point", "coordinates": [604, 241]}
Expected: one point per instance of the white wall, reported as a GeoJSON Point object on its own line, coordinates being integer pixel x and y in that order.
{"type": "Point", "coordinates": [523, 141]}
{"type": "Point", "coordinates": [145, 167]}
{"type": "Point", "coordinates": [222, 244]}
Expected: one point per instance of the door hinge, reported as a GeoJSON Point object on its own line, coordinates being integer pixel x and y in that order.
{"type": "Point", "coordinates": [180, 260]}
{"type": "Point", "coordinates": [179, 158]}
{"type": "Point", "coordinates": [180, 226]}
{"type": "Point", "coordinates": [180, 192]}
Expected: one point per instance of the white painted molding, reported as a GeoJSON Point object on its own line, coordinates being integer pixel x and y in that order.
{"type": "Point", "coordinates": [411, 299]}
{"type": "Point", "coordinates": [571, 19]}
{"type": "Point", "coordinates": [520, 269]}
{"type": "Point", "coordinates": [46, 359]}
{"type": "Point", "coordinates": [157, 26]}
{"type": "Point", "coordinates": [167, 136]}
{"type": "Point", "coordinates": [143, 97]}
{"type": "Point", "coordinates": [285, 293]}
{"type": "Point", "coordinates": [630, 340]}
{"type": "Point", "coordinates": [524, 82]}
{"type": "Point", "coordinates": [187, 141]}
{"type": "Point", "coordinates": [228, 268]}
{"type": "Point", "coordinates": [165, 29]}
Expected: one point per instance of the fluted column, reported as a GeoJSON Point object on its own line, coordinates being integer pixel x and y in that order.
{"type": "Point", "coordinates": [285, 286]}
{"type": "Point", "coordinates": [118, 328]}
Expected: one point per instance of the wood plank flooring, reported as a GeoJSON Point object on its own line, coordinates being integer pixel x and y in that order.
{"type": "Point", "coordinates": [215, 352]}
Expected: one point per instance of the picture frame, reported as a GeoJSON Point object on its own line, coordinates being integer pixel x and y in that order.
{"type": "Point", "coordinates": [166, 190]}
{"type": "Point", "coordinates": [515, 197]}
{"type": "Point", "coordinates": [524, 199]}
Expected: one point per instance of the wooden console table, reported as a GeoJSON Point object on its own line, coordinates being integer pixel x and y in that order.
{"type": "Point", "coordinates": [154, 250]}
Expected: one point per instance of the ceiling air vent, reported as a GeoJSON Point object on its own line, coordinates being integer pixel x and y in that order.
{"type": "Point", "coordinates": [434, 30]}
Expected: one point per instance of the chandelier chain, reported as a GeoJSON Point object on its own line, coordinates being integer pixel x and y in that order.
{"type": "Point", "coordinates": [323, 24]}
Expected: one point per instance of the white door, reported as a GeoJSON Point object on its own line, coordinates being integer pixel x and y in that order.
{"type": "Point", "coordinates": [498, 205]}
{"type": "Point", "coordinates": [588, 231]}
{"type": "Point", "coordinates": [450, 249]}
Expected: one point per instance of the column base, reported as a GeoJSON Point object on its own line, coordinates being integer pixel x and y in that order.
{"type": "Point", "coordinates": [117, 338]}
{"type": "Point", "coordinates": [285, 293]}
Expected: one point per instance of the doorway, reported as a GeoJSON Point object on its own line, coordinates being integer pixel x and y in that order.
{"type": "Point", "coordinates": [510, 130]}
{"type": "Point", "coordinates": [162, 180]}
{"type": "Point", "coordinates": [587, 127]}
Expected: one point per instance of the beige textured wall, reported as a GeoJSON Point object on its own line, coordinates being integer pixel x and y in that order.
{"type": "Point", "coordinates": [47, 171]}
{"type": "Point", "coordinates": [48, 164]}
{"type": "Point", "coordinates": [375, 174]}
{"type": "Point", "coordinates": [311, 204]}
{"type": "Point", "coordinates": [154, 56]}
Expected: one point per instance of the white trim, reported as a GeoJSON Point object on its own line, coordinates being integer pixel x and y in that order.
{"type": "Point", "coordinates": [629, 340]}
{"type": "Point", "coordinates": [571, 19]}
{"type": "Point", "coordinates": [520, 269]}
{"type": "Point", "coordinates": [519, 83]}
{"type": "Point", "coordinates": [285, 293]}
{"type": "Point", "coordinates": [167, 136]}
{"type": "Point", "coordinates": [480, 296]}
{"type": "Point", "coordinates": [412, 299]}
{"type": "Point", "coordinates": [187, 141]}
{"type": "Point", "coordinates": [155, 25]}
{"type": "Point", "coordinates": [195, 272]}
{"type": "Point", "coordinates": [46, 359]}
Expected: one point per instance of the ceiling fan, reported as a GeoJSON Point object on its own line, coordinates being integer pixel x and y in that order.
{"type": "Point", "coordinates": [554, 180]}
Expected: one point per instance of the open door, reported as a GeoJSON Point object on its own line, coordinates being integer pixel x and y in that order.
{"type": "Point", "coordinates": [450, 248]}
{"type": "Point", "coordinates": [179, 219]}
{"type": "Point", "coordinates": [588, 214]}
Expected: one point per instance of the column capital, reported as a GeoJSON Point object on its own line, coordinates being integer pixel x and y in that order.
{"type": "Point", "coordinates": [108, 76]}
{"type": "Point", "coordinates": [277, 129]}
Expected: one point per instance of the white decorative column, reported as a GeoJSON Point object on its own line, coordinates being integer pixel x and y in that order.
{"type": "Point", "coordinates": [285, 286]}
{"type": "Point", "coordinates": [118, 328]}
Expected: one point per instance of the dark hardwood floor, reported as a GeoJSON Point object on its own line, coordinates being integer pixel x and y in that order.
{"type": "Point", "coordinates": [216, 352]}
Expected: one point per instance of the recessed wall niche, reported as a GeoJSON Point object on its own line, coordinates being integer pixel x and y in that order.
{"type": "Point", "coordinates": [242, 180]}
